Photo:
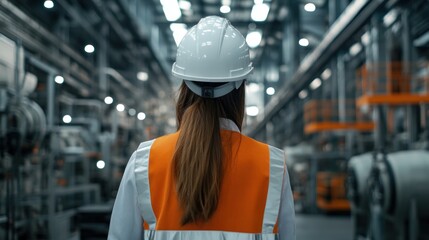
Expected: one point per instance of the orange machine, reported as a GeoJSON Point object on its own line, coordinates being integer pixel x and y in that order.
{"type": "Point", "coordinates": [322, 115]}
{"type": "Point", "coordinates": [331, 192]}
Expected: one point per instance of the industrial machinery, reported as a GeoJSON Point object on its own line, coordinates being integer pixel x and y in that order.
{"type": "Point", "coordinates": [330, 184]}
{"type": "Point", "coordinates": [331, 192]}
{"type": "Point", "coordinates": [389, 195]}
{"type": "Point", "coordinates": [359, 169]}
{"type": "Point", "coordinates": [45, 168]}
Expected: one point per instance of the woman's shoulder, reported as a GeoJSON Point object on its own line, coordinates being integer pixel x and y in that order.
{"type": "Point", "coordinates": [162, 139]}
{"type": "Point", "coordinates": [255, 142]}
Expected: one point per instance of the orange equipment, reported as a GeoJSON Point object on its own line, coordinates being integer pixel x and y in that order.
{"type": "Point", "coordinates": [331, 192]}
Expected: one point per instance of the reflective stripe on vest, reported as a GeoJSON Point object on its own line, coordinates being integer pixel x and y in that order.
{"type": "Point", "coordinates": [142, 181]}
{"type": "Point", "coordinates": [249, 200]}
{"type": "Point", "coordinates": [206, 235]}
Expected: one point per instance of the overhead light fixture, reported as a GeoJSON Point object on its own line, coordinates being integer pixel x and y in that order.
{"type": "Point", "coordinates": [120, 107]}
{"type": "Point", "coordinates": [390, 17]}
{"type": "Point", "coordinates": [326, 74]}
{"type": "Point", "coordinates": [253, 39]}
{"type": "Point", "coordinates": [258, 1]}
{"type": "Point", "coordinates": [225, 9]}
{"type": "Point", "coordinates": [89, 48]}
{"type": "Point", "coordinates": [171, 10]}
{"type": "Point", "coordinates": [365, 38]}
{"type": "Point", "coordinates": [252, 111]}
{"type": "Point", "coordinates": [272, 75]}
{"type": "Point", "coordinates": [141, 116]}
{"type": "Point", "coordinates": [355, 49]}
{"type": "Point", "coordinates": [59, 79]}
{"type": "Point", "coordinates": [101, 164]}
{"type": "Point", "coordinates": [179, 35]}
{"type": "Point", "coordinates": [108, 100]}
{"type": "Point", "coordinates": [303, 42]}
{"type": "Point", "coordinates": [142, 76]}
{"type": "Point", "coordinates": [179, 31]}
{"type": "Point", "coordinates": [310, 7]}
{"type": "Point", "coordinates": [260, 12]}
{"type": "Point", "coordinates": [253, 87]}
{"type": "Point", "coordinates": [270, 91]}
{"type": "Point", "coordinates": [185, 5]}
{"type": "Point", "coordinates": [177, 26]}
{"type": "Point", "coordinates": [303, 94]}
{"type": "Point", "coordinates": [48, 4]}
{"type": "Point", "coordinates": [67, 119]}
{"type": "Point", "coordinates": [315, 83]}
{"type": "Point", "coordinates": [226, 2]}
{"type": "Point", "coordinates": [132, 112]}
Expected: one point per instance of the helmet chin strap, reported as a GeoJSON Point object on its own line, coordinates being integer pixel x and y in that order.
{"type": "Point", "coordinates": [213, 92]}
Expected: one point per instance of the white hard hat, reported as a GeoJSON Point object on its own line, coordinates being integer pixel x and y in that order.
{"type": "Point", "coordinates": [213, 51]}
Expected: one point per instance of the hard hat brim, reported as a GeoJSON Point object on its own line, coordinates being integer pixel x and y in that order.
{"type": "Point", "coordinates": [211, 79]}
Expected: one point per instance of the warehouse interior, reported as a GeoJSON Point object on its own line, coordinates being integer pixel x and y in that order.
{"type": "Point", "coordinates": [342, 86]}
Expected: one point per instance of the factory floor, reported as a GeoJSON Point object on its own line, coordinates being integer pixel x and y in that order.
{"type": "Point", "coordinates": [321, 227]}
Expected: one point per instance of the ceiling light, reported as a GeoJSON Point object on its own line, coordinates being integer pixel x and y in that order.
{"type": "Point", "coordinates": [101, 164]}
{"type": "Point", "coordinates": [270, 91]}
{"type": "Point", "coordinates": [89, 48]}
{"type": "Point", "coordinates": [226, 2]}
{"type": "Point", "coordinates": [142, 76]}
{"type": "Point", "coordinates": [253, 87]}
{"type": "Point", "coordinates": [253, 39]}
{"type": "Point", "coordinates": [390, 17]}
{"type": "Point", "coordinates": [120, 107]}
{"type": "Point", "coordinates": [177, 26]}
{"type": "Point", "coordinates": [67, 119]}
{"type": "Point", "coordinates": [141, 116]}
{"type": "Point", "coordinates": [178, 35]}
{"type": "Point", "coordinates": [48, 4]}
{"type": "Point", "coordinates": [225, 9]}
{"type": "Point", "coordinates": [355, 49]}
{"type": "Point", "coordinates": [326, 74]}
{"type": "Point", "coordinates": [303, 94]}
{"type": "Point", "coordinates": [171, 10]}
{"type": "Point", "coordinates": [185, 5]}
{"type": "Point", "coordinates": [310, 7]}
{"type": "Point", "coordinates": [315, 83]}
{"type": "Point", "coordinates": [252, 111]}
{"type": "Point", "coordinates": [260, 12]}
{"type": "Point", "coordinates": [258, 1]}
{"type": "Point", "coordinates": [304, 42]}
{"type": "Point", "coordinates": [132, 112]}
{"type": "Point", "coordinates": [59, 79]}
{"type": "Point", "coordinates": [179, 31]}
{"type": "Point", "coordinates": [272, 75]}
{"type": "Point", "coordinates": [108, 100]}
{"type": "Point", "coordinates": [365, 38]}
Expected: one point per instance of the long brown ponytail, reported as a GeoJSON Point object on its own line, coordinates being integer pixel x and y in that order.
{"type": "Point", "coordinates": [197, 161]}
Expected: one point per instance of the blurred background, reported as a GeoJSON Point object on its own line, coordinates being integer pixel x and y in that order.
{"type": "Point", "coordinates": [342, 86]}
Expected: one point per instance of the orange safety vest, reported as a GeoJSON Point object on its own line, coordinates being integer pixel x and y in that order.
{"type": "Point", "coordinates": [249, 202]}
